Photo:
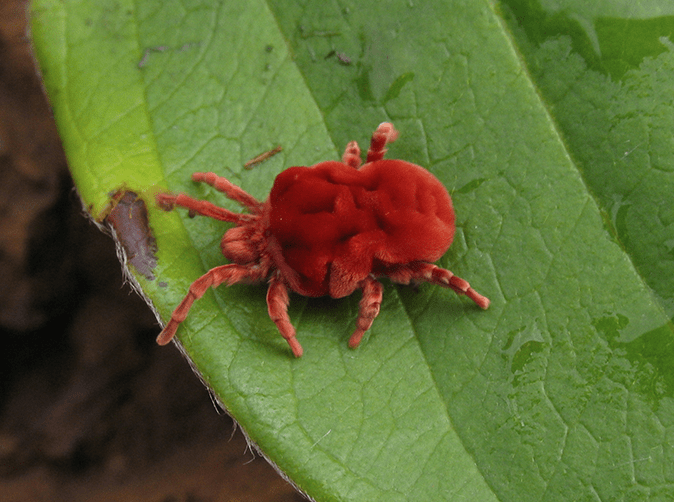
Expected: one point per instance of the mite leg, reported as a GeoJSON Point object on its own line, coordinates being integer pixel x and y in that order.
{"type": "Point", "coordinates": [229, 189]}
{"type": "Point", "coordinates": [427, 272]}
{"type": "Point", "coordinates": [351, 155]}
{"type": "Point", "coordinates": [384, 134]}
{"type": "Point", "coordinates": [168, 201]}
{"type": "Point", "coordinates": [369, 308]}
{"type": "Point", "coordinates": [229, 274]}
{"type": "Point", "coordinates": [277, 304]}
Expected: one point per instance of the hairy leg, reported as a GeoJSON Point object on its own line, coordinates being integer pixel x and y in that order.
{"type": "Point", "coordinates": [229, 274]}
{"type": "Point", "coordinates": [229, 189]}
{"type": "Point", "coordinates": [277, 305]}
{"type": "Point", "coordinates": [384, 134]}
{"type": "Point", "coordinates": [369, 308]}
{"type": "Point", "coordinates": [168, 201]}
{"type": "Point", "coordinates": [351, 155]}
{"type": "Point", "coordinates": [427, 272]}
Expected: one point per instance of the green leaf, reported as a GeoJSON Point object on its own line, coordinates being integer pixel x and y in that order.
{"type": "Point", "coordinates": [551, 125]}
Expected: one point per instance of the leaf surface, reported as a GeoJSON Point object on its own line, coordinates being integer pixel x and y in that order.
{"type": "Point", "coordinates": [551, 127]}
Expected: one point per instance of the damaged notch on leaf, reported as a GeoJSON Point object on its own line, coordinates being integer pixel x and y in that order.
{"type": "Point", "coordinates": [127, 217]}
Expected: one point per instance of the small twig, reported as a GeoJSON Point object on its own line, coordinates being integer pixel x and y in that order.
{"type": "Point", "coordinates": [342, 58]}
{"type": "Point", "coordinates": [262, 157]}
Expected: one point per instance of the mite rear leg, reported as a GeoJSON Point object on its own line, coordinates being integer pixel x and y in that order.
{"type": "Point", "coordinates": [384, 134]}
{"type": "Point", "coordinates": [277, 305]}
{"type": "Point", "coordinates": [427, 272]}
{"type": "Point", "coordinates": [368, 308]}
{"type": "Point", "coordinates": [351, 155]}
{"type": "Point", "coordinates": [229, 274]}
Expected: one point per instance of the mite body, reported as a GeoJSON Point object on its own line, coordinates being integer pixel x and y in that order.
{"type": "Point", "coordinates": [331, 229]}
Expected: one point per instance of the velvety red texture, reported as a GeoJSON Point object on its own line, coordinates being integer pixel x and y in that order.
{"type": "Point", "coordinates": [335, 224]}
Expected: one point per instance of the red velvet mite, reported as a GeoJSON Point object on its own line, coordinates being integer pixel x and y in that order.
{"type": "Point", "coordinates": [330, 229]}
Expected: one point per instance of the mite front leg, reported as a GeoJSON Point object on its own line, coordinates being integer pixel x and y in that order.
{"type": "Point", "coordinates": [369, 308]}
{"type": "Point", "coordinates": [229, 189]}
{"type": "Point", "coordinates": [427, 272]}
{"type": "Point", "coordinates": [230, 274]}
{"type": "Point", "coordinates": [277, 305]}
{"type": "Point", "coordinates": [168, 201]}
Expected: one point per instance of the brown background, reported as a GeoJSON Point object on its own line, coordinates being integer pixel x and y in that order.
{"type": "Point", "coordinates": [90, 407]}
